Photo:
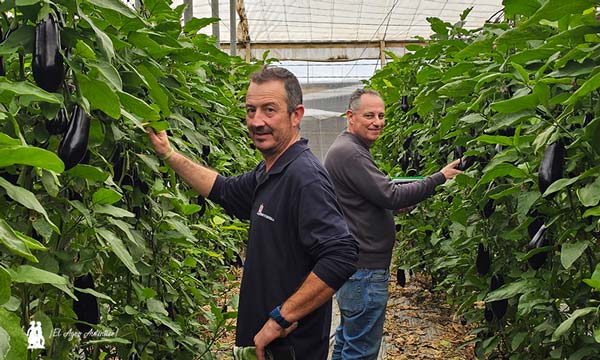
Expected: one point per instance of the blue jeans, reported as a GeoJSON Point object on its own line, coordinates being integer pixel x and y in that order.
{"type": "Point", "coordinates": [362, 301]}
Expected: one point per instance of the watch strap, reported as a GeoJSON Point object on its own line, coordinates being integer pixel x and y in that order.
{"type": "Point", "coordinates": [275, 314]}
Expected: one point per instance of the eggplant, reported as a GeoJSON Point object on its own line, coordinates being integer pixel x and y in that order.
{"type": "Point", "coordinates": [404, 103]}
{"type": "Point", "coordinates": [202, 202]}
{"type": "Point", "coordinates": [465, 161]}
{"type": "Point", "coordinates": [59, 124]}
{"type": "Point", "coordinates": [534, 226]}
{"type": "Point", "coordinates": [86, 306]}
{"type": "Point", "coordinates": [73, 145]}
{"type": "Point", "coordinates": [551, 166]}
{"type": "Point", "coordinates": [482, 263]}
{"type": "Point", "coordinates": [415, 164]}
{"type": "Point", "coordinates": [538, 241]}
{"type": "Point", "coordinates": [405, 161]}
{"type": "Point", "coordinates": [488, 314]}
{"type": "Point", "coordinates": [401, 277]}
{"type": "Point", "coordinates": [587, 118]}
{"type": "Point", "coordinates": [407, 142]}
{"type": "Point", "coordinates": [499, 306]}
{"type": "Point", "coordinates": [205, 152]}
{"type": "Point", "coordinates": [47, 63]}
{"type": "Point", "coordinates": [488, 208]}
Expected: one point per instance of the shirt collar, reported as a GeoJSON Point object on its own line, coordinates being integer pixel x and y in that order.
{"type": "Point", "coordinates": [289, 155]}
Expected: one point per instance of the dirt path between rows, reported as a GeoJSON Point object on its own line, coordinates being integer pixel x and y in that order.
{"type": "Point", "coordinates": [419, 325]}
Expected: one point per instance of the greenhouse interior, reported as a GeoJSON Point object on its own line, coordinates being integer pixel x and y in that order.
{"type": "Point", "coordinates": [308, 180]}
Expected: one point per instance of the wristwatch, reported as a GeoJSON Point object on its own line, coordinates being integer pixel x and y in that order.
{"type": "Point", "coordinates": [275, 314]}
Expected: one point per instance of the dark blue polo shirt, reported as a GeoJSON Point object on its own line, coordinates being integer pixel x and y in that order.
{"type": "Point", "coordinates": [296, 226]}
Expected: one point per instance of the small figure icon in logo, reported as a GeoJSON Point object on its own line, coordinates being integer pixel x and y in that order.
{"type": "Point", "coordinates": [35, 338]}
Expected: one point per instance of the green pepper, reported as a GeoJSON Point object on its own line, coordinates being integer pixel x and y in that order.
{"type": "Point", "coordinates": [86, 306]}
{"type": "Point", "coordinates": [499, 306]}
{"type": "Point", "coordinates": [47, 63]}
{"type": "Point", "coordinates": [482, 263]}
{"type": "Point", "coordinates": [59, 124]}
{"type": "Point", "coordinates": [73, 146]}
{"type": "Point", "coordinates": [551, 166]}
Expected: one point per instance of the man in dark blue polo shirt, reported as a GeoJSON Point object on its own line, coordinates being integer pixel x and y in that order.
{"type": "Point", "coordinates": [299, 249]}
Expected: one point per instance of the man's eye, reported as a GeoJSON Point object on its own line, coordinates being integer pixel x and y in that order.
{"type": "Point", "coordinates": [369, 116]}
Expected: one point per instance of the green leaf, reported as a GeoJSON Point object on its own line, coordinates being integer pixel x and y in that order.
{"type": "Point", "coordinates": [101, 70]}
{"type": "Point", "coordinates": [597, 335]}
{"type": "Point", "coordinates": [496, 139]}
{"type": "Point", "coordinates": [104, 41]}
{"type": "Point", "coordinates": [516, 104]}
{"type": "Point", "coordinates": [115, 5]}
{"type": "Point", "coordinates": [501, 170]}
{"type": "Point", "coordinates": [4, 285]}
{"type": "Point", "coordinates": [13, 341]}
{"type": "Point", "coordinates": [100, 95]}
{"type": "Point", "coordinates": [592, 212]}
{"type": "Point", "coordinates": [138, 107]}
{"type": "Point", "coordinates": [191, 27]}
{"type": "Point", "coordinates": [31, 156]}
{"type": "Point", "coordinates": [555, 9]}
{"type": "Point", "coordinates": [6, 140]}
{"type": "Point", "coordinates": [570, 252]}
{"type": "Point", "coordinates": [28, 92]}
{"type": "Point", "coordinates": [588, 86]}
{"type": "Point", "coordinates": [472, 118]}
{"type": "Point", "coordinates": [106, 196]}
{"type": "Point", "coordinates": [119, 249]}
{"type": "Point", "coordinates": [512, 289]}
{"type": "Point", "coordinates": [27, 199]}
{"type": "Point", "coordinates": [566, 325]}
{"type": "Point", "coordinates": [14, 243]}
{"type": "Point", "coordinates": [520, 7]}
{"type": "Point", "coordinates": [156, 306]}
{"type": "Point", "coordinates": [32, 275]}
{"type": "Point", "coordinates": [156, 90]}
{"type": "Point", "coordinates": [559, 185]}
{"type": "Point", "coordinates": [112, 211]}
{"type": "Point", "coordinates": [589, 195]}
{"type": "Point", "coordinates": [84, 50]}
{"type": "Point", "coordinates": [88, 172]}
{"type": "Point", "coordinates": [96, 294]}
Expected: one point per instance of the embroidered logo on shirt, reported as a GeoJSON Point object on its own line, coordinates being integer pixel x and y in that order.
{"type": "Point", "coordinates": [262, 214]}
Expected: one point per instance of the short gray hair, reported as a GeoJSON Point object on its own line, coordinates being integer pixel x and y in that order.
{"type": "Point", "coordinates": [354, 102]}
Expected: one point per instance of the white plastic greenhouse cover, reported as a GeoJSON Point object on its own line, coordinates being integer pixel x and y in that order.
{"type": "Point", "coordinates": [339, 29]}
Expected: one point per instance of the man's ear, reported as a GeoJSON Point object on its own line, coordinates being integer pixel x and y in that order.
{"type": "Point", "coordinates": [349, 116]}
{"type": "Point", "coordinates": [297, 115]}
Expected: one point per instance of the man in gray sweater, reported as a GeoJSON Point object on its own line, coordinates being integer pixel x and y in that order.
{"type": "Point", "coordinates": [368, 200]}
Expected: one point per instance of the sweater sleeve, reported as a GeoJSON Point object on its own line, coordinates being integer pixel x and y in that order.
{"type": "Point", "coordinates": [325, 235]}
{"type": "Point", "coordinates": [367, 180]}
{"type": "Point", "coordinates": [234, 194]}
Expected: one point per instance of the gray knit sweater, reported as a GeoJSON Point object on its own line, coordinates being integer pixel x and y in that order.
{"type": "Point", "coordinates": [368, 198]}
